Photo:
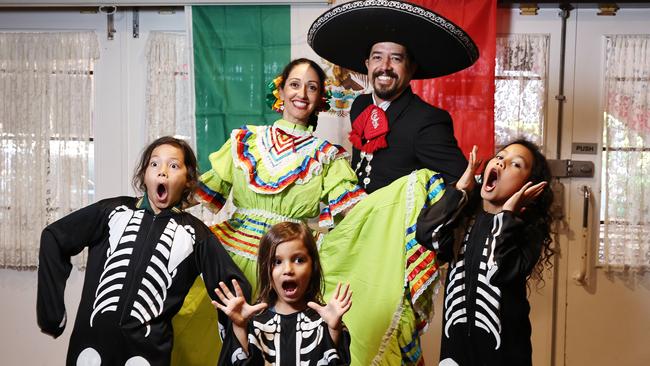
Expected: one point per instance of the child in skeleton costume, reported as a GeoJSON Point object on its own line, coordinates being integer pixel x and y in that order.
{"type": "Point", "coordinates": [144, 254]}
{"type": "Point", "coordinates": [503, 239]}
{"type": "Point", "coordinates": [274, 173]}
{"type": "Point", "coordinates": [297, 329]}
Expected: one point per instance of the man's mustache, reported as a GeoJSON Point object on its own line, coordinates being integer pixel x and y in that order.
{"type": "Point", "coordinates": [384, 73]}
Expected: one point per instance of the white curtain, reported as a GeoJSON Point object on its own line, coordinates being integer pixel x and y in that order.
{"type": "Point", "coordinates": [46, 104]}
{"type": "Point", "coordinates": [626, 160]}
{"type": "Point", "coordinates": [520, 87]}
{"type": "Point", "coordinates": [169, 102]}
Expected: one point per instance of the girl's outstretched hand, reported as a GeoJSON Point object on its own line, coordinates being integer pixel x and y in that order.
{"type": "Point", "coordinates": [528, 193]}
{"type": "Point", "coordinates": [466, 182]}
{"type": "Point", "coordinates": [338, 305]}
{"type": "Point", "coordinates": [235, 305]}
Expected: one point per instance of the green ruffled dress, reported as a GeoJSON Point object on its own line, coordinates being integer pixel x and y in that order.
{"type": "Point", "coordinates": [393, 278]}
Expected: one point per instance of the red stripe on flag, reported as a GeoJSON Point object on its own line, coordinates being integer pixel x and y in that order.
{"type": "Point", "coordinates": [467, 95]}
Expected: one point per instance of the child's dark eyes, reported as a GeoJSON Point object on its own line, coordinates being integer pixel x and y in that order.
{"type": "Point", "coordinates": [299, 260]}
{"type": "Point", "coordinates": [276, 262]}
{"type": "Point", "coordinates": [153, 164]}
{"type": "Point", "coordinates": [175, 166]}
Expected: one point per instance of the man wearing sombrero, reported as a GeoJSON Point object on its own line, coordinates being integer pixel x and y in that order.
{"type": "Point", "coordinates": [394, 42]}
{"type": "Point", "coordinates": [393, 134]}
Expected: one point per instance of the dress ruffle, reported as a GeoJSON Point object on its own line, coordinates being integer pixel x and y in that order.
{"type": "Point", "coordinates": [339, 204]}
{"type": "Point", "coordinates": [272, 158]}
{"type": "Point", "coordinates": [212, 199]}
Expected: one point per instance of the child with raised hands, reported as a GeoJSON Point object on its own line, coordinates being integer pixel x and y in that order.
{"type": "Point", "coordinates": [289, 325]}
{"type": "Point", "coordinates": [494, 237]}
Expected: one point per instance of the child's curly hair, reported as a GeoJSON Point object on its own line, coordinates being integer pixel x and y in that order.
{"type": "Point", "coordinates": [189, 160]}
{"type": "Point", "coordinates": [538, 213]}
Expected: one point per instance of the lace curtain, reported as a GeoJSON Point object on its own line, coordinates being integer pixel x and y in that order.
{"type": "Point", "coordinates": [169, 104]}
{"type": "Point", "coordinates": [626, 157]}
{"type": "Point", "coordinates": [169, 99]}
{"type": "Point", "coordinates": [46, 81]}
{"type": "Point", "coordinates": [520, 87]}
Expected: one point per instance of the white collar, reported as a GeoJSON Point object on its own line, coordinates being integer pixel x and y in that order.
{"type": "Point", "coordinates": [383, 105]}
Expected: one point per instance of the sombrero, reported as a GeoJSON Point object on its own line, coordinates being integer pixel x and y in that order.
{"type": "Point", "coordinates": [344, 35]}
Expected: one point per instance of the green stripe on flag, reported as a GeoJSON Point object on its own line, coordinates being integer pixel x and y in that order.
{"type": "Point", "coordinates": [237, 51]}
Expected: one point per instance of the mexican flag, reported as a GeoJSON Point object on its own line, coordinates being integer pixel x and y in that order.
{"type": "Point", "coordinates": [238, 50]}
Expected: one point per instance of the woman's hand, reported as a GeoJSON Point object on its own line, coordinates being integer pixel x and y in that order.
{"type": "Point", "coordinates": [466, 182]}
{"type": "Point", "coordinates": [235, 305]}
{"type": "Point", "coordinates": [528, 193]}
{"type": "Point", "coordinates": [338, 305]}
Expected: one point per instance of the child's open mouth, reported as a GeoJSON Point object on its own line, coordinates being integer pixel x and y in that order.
{"type": "Point", "coordinates": [290, 288]}
{"type": "Point", "coordinates": [161, 192]}
{"type": "Point", "coordinates": [491, 180]}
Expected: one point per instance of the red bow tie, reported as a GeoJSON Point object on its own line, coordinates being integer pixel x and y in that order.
{"type": "Point", "coordinates": [372, 126]}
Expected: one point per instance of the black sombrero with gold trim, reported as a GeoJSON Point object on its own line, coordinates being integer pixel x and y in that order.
{"type": "Point", "coordinates": [344, 35]}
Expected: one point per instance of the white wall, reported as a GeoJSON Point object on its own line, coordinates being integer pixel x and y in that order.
{"type": "Point", "coordinates": [120, 80]}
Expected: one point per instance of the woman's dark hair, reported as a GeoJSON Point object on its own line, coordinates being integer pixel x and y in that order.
{"type": "Point", "coordinates": [282, 233]}
{"type": "Point", "coordinates": [313, 118]}
{"type": "Point", "coordinates": [189, 160]}
{"type": "Point", "coordinates": [537, 213]}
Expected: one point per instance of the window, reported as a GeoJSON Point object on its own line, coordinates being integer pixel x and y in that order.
{"type": "Point", "coordinates": [520, 87]}
{"type": "Point", "coordinates": [46, 81]}
{"type": "Point", "coordinates": [625, 208]}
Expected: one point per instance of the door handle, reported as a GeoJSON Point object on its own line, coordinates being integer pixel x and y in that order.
{"type": "Point", "coordinates": [580, 276]}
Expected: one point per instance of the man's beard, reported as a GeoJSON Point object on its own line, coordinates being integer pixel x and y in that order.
{"type": "Point", "coordinates": [385, 93]}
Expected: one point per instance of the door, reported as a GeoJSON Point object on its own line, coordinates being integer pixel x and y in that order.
{"type": "Point", "coordinates": [606, 319]}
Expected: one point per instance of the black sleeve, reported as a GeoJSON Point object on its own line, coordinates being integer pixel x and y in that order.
{"type": "Point", "coordinates": [343, 348]}
{"type": "Point", "coordinates": [232, 353]}
{"type": "Point", "coordinates": [436, 223]}
{"type": "Point", "coordinates": [437, 148]}
{"type": "Point", "coordinates": [216, 265]}
{"type": "Point", "coordinates": [60, 241]}
{"type": "Point", "coordinates": [516, 250]}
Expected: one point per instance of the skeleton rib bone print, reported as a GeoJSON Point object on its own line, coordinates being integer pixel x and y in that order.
{"type": "Point", "coordinates": [175, 244]}
{"type": "Point", "coordinates": [124, 225]}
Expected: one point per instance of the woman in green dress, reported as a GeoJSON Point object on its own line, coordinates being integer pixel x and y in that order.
{"type": "Point", "coordinates": [283, 173]}
{"type": "Point", "coordinates": [275, 173]}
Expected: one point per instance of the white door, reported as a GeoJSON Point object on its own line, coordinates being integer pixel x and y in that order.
{"type": "Point", "coordinates": [607, 320]}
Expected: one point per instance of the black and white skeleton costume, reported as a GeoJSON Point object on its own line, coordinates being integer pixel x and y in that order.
{"type": "Point", "coordinates": [301, 338]}
{"type": "Point", "coordinates": [140, 267]}
{"type": "Point", "coordinates": [485, 313]}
